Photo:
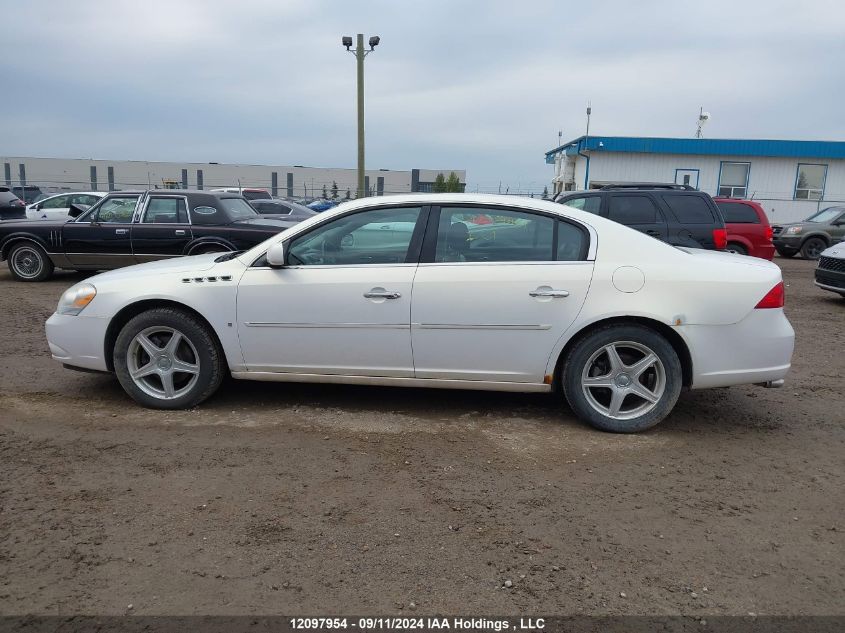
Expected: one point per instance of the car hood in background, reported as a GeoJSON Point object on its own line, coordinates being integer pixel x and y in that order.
{"type": "Point", "coordinates": [837, 251]}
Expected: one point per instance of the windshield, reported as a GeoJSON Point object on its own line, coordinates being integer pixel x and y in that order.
{"type": "Point", "coordinates": [825, 215]}
{"type": "Point", "coordinates": [238, 208]}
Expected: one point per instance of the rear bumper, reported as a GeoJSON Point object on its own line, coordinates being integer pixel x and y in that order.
{"type": "Point", "coordinates": [78, 340]}
{"type": "Point", "coordinates": [758, 349]}
{"type": "Point", "coordinates": [763, 251]}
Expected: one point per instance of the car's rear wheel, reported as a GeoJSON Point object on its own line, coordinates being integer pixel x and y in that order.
{"type": "Point", "coordinates": [812, 248]}
{"type": "Point", "coordinates": [166, 358]}
{"type": "Point", "coordinates": [29, 262]}
{"type": "Point", "coordinates": [622, 378]}
{"type": "Point", "coordinates": [739, 249]}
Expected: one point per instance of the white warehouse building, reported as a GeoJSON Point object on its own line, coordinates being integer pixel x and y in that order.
{"type": "Point", "coordinates": [297, 181]}
{"type": "Point", "coordinates": [791, 179]}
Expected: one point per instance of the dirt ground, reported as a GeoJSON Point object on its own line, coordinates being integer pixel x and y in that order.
{"type": "Point", "coordinates": [285, 498]}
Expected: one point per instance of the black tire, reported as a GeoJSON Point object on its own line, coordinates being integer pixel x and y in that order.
{"type": "Point", "coordinates": [581, 361]}
{"type": "Point", "coordinates": [199, 348]}
{"type": "Point", "coordinates": [786, 254]}
{"type": "Point", "coordinates": [29, 262]}
{"type": "Point", "coordinates": [813, 247]}
{"type": "Point", "coordinates": [739, 249]}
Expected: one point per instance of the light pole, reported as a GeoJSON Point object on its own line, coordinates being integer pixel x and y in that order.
{"type": "Point", "coordinates": [360, 53]}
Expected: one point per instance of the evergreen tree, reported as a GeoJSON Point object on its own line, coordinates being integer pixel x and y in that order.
{"type": "Point", "coordinates": [348, 194]}
{"type": "Point", "coordinates": [545, 193]}
{"type": "Point", "coordinates": [439, 184]}
{"type": "Point", "coordinates": [325, 193]}
{"type": "Point", "coordinates": [334, 190]}
{"type": "Point", "coordinates": [453, 184]}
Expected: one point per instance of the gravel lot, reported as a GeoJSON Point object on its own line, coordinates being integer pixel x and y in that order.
{"type": "Point", "coordinates": [285, 498]}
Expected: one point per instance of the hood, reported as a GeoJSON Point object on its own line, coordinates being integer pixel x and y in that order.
{"type": "Point", "coordinates": [837, 251]}
{"type": "Point", "coordinates": [177, 265]}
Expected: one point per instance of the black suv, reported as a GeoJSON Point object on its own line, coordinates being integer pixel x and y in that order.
{"type": "Point", "coordinates": [676, 214]}
{"type": "Point", "coordinates": [27, 193]}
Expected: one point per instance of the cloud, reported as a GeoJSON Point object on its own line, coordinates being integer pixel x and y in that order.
{"type": "Point", "coordinates": [483, 86]}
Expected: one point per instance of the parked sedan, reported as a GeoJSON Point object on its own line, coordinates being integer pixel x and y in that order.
{"type": "Point", "coordinates": [130, 227]}
{"type": "Point", "coordinates": [56, 207]}
{"type": "Point", "coordinates": [291, 210]}
{"type": "Point", "coordinates": [11, 207]}
{"type": "Point", "coordinates": [413, 291]}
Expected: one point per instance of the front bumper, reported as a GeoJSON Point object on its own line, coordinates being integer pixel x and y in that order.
{"type": "Point", "coordinates": [787, 243]}
{"type": "Point", "coordinates": [830, 280]}
{"type": "Point", "coordinates": [758, 349]}
{"type": "Point", "coordinates": [78, 340]}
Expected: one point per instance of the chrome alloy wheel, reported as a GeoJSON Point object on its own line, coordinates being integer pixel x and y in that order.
{"type": "Point", "coordinates": [163, 362]}
{"type": "Point", "coordinates": [27, 262]}
{"type": "Point", "coordinates": [623, 380]}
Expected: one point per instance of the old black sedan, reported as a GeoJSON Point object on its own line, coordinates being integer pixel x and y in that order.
{"type": "Point", "coordinates": [133, 227]}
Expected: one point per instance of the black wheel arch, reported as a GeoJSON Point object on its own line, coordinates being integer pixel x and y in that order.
{"type": "Point", "coordinates": [824, 237]}
{"type": "Point", "coordinates": [7, 242]}
{"type": "Point", "coordinates": [674, 339]}
{"type": "Point", "coordinates": [201, 242]}
{"type": "Point", "coordinates": [127, 313]}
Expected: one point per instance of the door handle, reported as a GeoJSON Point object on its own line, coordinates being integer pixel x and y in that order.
{"type": "Point", "coordinates": [653, 233]}
{"type": "Point", "coordinates": [121, 231]}
{"type": "Point", "coordinates": [549, 293]}
{"type": "Point", "coordinates": [180, 231]}
{"type": "Point", "coordinates": [381, 294]}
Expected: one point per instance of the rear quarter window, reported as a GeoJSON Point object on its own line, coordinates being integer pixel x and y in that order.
{"type": "Point", "coordinates": [690, 209]}
{"type": "Point", "coordinates": [738, 213]}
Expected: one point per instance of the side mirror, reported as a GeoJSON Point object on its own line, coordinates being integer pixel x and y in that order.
{"type": "Point", "coordinates": [75, 210]}
{"type": "Point", "coordinates": [276, 256]}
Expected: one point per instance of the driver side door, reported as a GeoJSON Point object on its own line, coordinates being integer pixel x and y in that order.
{"type": "Point", "coordinates": [342, 304]}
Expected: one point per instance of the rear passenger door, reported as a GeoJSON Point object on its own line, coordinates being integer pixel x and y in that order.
{"type": "Point", "coordinates": [639, 212]}
{"type": "Point", "coordinates": [496, 289]}
{"type": "Point", "coordinates": [164, 229]}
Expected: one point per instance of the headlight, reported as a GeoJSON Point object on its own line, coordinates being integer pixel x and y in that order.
{"type": "Point", "coordinates": [75, 299]}
{"type": "Point", "coordinates": [792, 230]}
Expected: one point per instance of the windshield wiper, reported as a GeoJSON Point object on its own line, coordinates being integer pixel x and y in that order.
{"type": "Point", "coordinates": [227, 256]}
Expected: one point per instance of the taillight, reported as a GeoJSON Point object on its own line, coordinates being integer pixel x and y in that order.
{"type": "Point", "coordinates": [770, 233]}
{"type": "Point", "coordinates": [720, 238]}
{"type": "Point", "coordinates": [773, 299]}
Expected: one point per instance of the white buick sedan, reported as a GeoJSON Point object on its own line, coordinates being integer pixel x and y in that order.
{"type": "Point", "coordinates": [447, 291]}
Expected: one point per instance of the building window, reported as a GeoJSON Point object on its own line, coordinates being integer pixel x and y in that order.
{"type": "Point", "coordinates": [733, 179]}
{"type": "Point", "coordinates": [809, 183]}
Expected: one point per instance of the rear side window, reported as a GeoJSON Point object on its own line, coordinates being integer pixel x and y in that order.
{"type": "Point", "coordinates": [166, 211]}
{"type": "Point", "coordinates": [590, 204]}
{"type": "Point", "coordinates": [689, 209]}
{"type": "Point", "coordinates": [632, 210]}
{"type": "Point", "coordinates": [738, 213]}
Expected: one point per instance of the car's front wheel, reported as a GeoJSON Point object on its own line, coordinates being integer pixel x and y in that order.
{"type": "Point", "coordinates": [812, 248]}
{"type": "Point", "coordinates": [29, 262]}
{"type": "Point", "coordinates": [166, 358]}
{"type": "Point", "coordinates": [622, 378]}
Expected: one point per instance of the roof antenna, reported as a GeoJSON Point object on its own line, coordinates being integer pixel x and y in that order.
{"type": "Point", "coordinates": [703, 117]}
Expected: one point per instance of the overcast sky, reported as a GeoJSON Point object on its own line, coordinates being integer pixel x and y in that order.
{"type": "Point", "coordinates": [481, 86]}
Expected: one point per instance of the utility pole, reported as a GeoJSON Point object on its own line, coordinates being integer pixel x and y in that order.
{"type": "Point", "coordinates": [360, 53]}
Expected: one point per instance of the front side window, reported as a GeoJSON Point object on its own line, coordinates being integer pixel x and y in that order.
{"type": "Point", "coordinates": [733, 180]}
{"type": "Point", "coordinates": [166, 211]}
{"type": "Point", "coordinates": [590, 204]}
{"type": "Point", "coordinates": [59, 202]}
{"type": "Point", "coordinates": [378, 236]}
{"type": "Point", "coordinates": [117, 210]}
{"type": "Point", "coordinates": [632, 210]}
{"type": "Point", "coordinates": [809, 185]}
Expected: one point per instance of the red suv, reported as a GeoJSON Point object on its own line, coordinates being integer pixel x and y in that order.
{"type": "Point", "coordinates": [749, 231]}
